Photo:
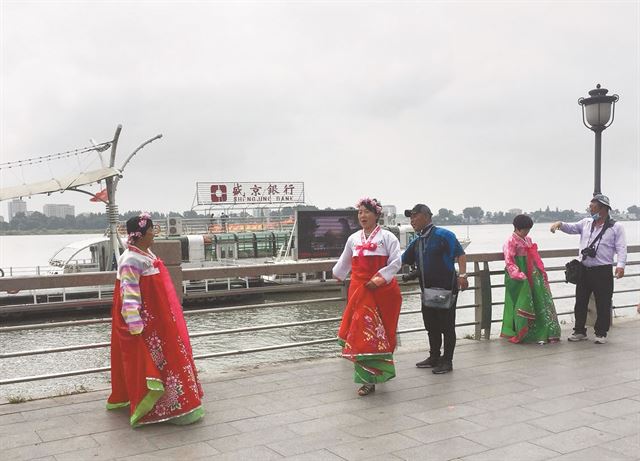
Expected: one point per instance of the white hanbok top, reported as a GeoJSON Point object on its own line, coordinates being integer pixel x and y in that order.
{"type": "Point", "coordinates": [380, 242]}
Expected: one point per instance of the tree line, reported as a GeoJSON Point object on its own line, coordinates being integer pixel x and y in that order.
{"type": "Point", "coordinates": [98, 222]}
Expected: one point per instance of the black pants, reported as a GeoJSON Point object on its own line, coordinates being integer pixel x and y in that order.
{"type": "Point", "coordinates": [440, 323]}
{"type": "Point", "coordinates": [599, 281]}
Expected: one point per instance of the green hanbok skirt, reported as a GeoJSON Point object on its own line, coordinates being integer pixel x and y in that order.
{"type": "Point", "coordinates": [529, 313]}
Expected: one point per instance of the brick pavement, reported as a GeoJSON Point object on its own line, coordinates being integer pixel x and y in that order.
{"type": "Point", "coordinates": [568, 401]}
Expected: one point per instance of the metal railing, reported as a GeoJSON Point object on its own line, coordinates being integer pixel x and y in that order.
{"type": "Point", "coordinates": [481, 289]}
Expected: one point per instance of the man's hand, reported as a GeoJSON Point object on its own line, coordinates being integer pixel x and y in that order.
{"type": "Point", "coordinates": [619, 272]}
{"type": "Point", "coordinates": [463, 283]}
{"type": "Point", "coordinates": [555, 226]}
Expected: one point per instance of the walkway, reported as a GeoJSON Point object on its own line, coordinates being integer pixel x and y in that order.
{"type": "Point", "coordinates": [503, 402]}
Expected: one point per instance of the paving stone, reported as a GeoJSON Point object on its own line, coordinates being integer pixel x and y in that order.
{"type": "Point", "coordinates": [609, 393]}
{"type": "Point", "coordinates": [446, 413]}
{"type": "Point", "coordinates": [622, 426]}
{"type": "Point", "coordinates": [251, 439]}
{"type": "Point", "coordinates": [57, 448]}
{"type": "Point", "coordinates": [261, 453]}
{"type": "Point", "coordinates": [192, 434]}
{"type": "Point", "coordinates": [378, 446]}
{"type": "Point", "coordinates": [311, 442]}
{"type": "Point", "coordinates": [327, 422]}
{"type": "Point", "coordinates": [387, 425]}
{"type": "Point", "coordinates": [10, 419]}
{"type": "Point", "coordinates": [33, 426]}
{"type": "Point", "coordinates": [337, 408]}
{"type": "Point", "coordinates": [629, 446]}
{"type": "Point", "coordinates": [444, 430]}
{"type": "Point", "coordinates": [270, 421]}
{"type": "Point", "coordinates": [505, 401]}
{"type": "Point", "coordinates": [91, 424]}
{"type": "Point", "coordinates": [594, 453]}
{"type": "Point", "coordinates": [616, 408]}
{"type": "Point", "coordinates": [8, 441]}
{"type": "Point", "coordinates": [557, 405]}
{"type": "Point", "coordinates": [523, 451]}
{"type": "Point", "coordinates": [442, 450]}
{"type": "Point", "coordinates": [575, 439]}
{"type": "Point", "coordinates": [497, 437]}
{"type": "Point", "coordinates": [281, 405]}
{"type": "Point", "coordinates": [503, 417]}
{"type": "Point", "coordinates": [319, 455]}
{"type": "Point", "coordinates": [561, 422]}
{"type": "Point", "coordinates": [188, 452]}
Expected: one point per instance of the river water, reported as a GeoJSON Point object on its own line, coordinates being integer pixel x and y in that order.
{"type": "Point", "coordinates": [30, 251]}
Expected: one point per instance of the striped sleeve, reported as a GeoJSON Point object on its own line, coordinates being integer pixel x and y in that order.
{"type": "Point", "coordinates": [131, 298]}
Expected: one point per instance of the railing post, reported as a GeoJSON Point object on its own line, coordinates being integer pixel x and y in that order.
{"type": "Point", "coordinates": [477, 300]}
{"type": "Point", "coordinates": [483, 300]}
{"type": "Point", "coordinates": [344, 291]}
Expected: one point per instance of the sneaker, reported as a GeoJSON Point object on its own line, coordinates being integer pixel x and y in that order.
{"type": "Point", "coordinates": [601, 340]}
{"type": "Point", "coordinates": [444, 367]}
{"type": "Point", "coordinates": [577, 337]}
{"type": "Point", "coordinates": [429, 362]}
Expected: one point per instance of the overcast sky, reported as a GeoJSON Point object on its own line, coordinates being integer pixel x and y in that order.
{"type": "Point", "coordinates": [453, 104]}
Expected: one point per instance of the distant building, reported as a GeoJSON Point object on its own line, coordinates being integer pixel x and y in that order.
{"type": "Point", "coordinates": [515, 211]}
{"type": "Point", "coordinates": [17, 206]}
{"type": "Point", "coordinates": [1, 218]}
{"type": "Point", "coordinates": [52, 210]}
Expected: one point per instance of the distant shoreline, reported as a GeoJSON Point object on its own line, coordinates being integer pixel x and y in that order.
{"type": "Point", "coordinates": [102, 231]}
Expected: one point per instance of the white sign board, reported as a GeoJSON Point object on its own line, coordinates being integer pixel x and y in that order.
{"type": "Point", "coordinates": [249, 193]}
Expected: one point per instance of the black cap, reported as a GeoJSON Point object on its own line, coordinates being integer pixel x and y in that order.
{"type": "Point", "coordinates": [419, 208]}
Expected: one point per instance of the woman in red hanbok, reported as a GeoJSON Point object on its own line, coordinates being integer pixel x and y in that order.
{"type": "Point", "coordinates": [368, 329]}
{"type": "Point", "coordinates": [152, 369]}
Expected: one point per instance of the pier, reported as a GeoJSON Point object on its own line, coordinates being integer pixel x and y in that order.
{"type": "Point", "coordinates": [566, 401]}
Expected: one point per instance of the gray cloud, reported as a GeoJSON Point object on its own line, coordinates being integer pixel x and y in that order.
{"type": "Point", "coordinates": [455, 104]}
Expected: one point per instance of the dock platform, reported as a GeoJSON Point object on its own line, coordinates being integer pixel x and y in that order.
{"type": "Point", "coordinates": [565, 401]}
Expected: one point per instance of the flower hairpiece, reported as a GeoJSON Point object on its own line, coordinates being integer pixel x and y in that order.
{"type": "Point", "coordinates": [142, 224]}
{"type": "Point", "coordinates": [371, 202]}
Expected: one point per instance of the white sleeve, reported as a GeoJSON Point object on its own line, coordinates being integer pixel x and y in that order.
{"type": "Point", "coordinates": [343, 266]}
{"type": "Point", "coordinates": [394, 263]}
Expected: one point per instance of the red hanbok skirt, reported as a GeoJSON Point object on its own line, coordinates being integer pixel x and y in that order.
{"type": "Point", "coordinates": [369, 322]}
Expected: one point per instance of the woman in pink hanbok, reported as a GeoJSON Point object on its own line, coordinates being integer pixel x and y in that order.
{"type": "Point", "coordinates": [529, 313]}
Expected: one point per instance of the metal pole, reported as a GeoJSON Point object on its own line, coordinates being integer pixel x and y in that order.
{"type": "Point", "coordinates": [598, 161]}
{"type": "Point", "coordinates": [112, 208]}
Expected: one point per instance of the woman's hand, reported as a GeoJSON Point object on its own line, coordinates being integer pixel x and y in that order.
{"type": "Point", "coordinates": [370, 285]}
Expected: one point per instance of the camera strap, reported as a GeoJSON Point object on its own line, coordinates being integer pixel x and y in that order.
{"type": "Point", "coordinates": [607, 224]}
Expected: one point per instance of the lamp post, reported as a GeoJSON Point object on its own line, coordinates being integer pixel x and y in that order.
{"type": "Point", "coordinates": [598, 111]}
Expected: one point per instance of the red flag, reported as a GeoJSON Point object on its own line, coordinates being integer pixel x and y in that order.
{"type": "Point", "coordinates": [100, 196]}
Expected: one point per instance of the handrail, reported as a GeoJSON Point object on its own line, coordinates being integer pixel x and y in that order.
{"type": "Point", "coordinates": [106, 278]}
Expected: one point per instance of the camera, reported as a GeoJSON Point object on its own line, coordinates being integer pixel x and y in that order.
{"type": "Point", "coordinates": [410, 276]}
{"type": "Point", "coordinates": [588, 252]}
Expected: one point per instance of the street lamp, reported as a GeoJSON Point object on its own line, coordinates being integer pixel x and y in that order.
{"type": "Point", "coordinates": [598, 111]}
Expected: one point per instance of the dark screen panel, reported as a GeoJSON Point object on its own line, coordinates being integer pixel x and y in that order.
{"type": "Point", "coordinates": [323, 234]}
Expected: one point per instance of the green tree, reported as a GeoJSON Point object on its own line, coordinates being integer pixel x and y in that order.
{"type": "Point", "coordinates": [474, 212]}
